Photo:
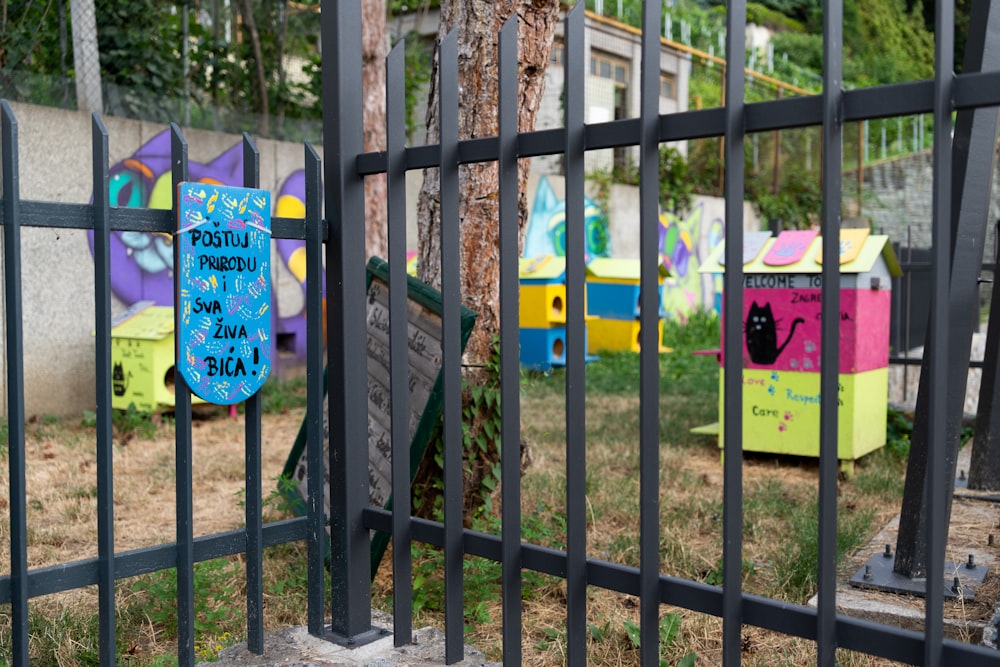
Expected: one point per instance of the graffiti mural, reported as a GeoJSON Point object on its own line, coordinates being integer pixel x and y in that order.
{"type": "Point", "coordinates": [684, 244]}
{"type": "Point", "coordinates": [546, 233]}
{"type": "Point", "coordinates": [142, 263]}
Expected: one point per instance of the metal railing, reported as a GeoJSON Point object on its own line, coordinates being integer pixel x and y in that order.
{"type": "Point", "coordinates": [351, 517]}
{"type": "Point", "coordinates": [22, 584]}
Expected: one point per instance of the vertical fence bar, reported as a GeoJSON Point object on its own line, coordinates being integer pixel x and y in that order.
{"type": "Point", "coordinates": [183, 455]}
{"type": "Point", "coordinates": [254, 515]}
{"type": "Point", "coordinates": [510, 427]}
{"type": "Point", "coordinates": [938, 471]}
{"type": "Point", "coordinates": [350, 564]}
{"type": "Point", "coordinates": [732, 502]}
{"type": "Point", "coordinates": [973, 140]}
{"type": "Point", "coordinates": [970, 170]}
{"type": "Point", "coordinates": [908, 296]}
{"type": "Point", "coordinates": [776, 167]}
{"type": "Point", "coordinates": [451, 349]}
{"type": "Point", "coordinates": [15, 390]}
{"type": "Point", "coordinates": [576, 344]}
{"type": "Point", "coordinates": [102, 358]}
{"type": "Point", "coordinates": [395, 133]}
{"type": "Point", "coordinates": [316, 513]}
{"type": "Point", "coordinates": [649, 337]}
{"type": "Point", "coordinates": [826, 612]}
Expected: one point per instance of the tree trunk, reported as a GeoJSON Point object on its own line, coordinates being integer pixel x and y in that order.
{"type": "Point", "coordinates": [478, 23]}
{"type": "Point", "coordinates": [258, 56]}
{"type": "Point", "coordinates": [373, 53]}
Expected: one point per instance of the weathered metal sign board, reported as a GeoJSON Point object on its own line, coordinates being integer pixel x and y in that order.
{"type": "Point", "coordinates": [424, 399]}
{"type": "Point", "coordinates": [224, 285]}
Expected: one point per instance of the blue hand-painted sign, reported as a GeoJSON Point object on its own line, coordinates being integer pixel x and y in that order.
{"type": "Point", "coordinates": [224, 321]}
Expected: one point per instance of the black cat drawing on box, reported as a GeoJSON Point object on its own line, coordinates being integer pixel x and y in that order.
{"type": "Point", "coordinates": [762, 334]}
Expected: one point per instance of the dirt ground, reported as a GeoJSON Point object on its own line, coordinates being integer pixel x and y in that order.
{"type": "Point", "coordinates": [62, 488]}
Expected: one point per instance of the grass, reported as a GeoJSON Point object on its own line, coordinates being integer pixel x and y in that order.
{"type": "Point", "coordinates": [779, 528]}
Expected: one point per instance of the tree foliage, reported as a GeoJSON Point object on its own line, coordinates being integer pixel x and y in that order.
{"type": "Point", "coordinates": [140, 78]}
{"type": "Point", "coordinates": [234, 66]}
{"type": "Point", "coordinates": [33, 61]}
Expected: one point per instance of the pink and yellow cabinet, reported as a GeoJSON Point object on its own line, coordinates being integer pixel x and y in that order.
{"type": "Point", "coordinates": [782, 302]}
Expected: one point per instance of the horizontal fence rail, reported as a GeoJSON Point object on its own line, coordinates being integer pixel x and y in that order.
{"type": "Point", "coordinates": [338, 241]}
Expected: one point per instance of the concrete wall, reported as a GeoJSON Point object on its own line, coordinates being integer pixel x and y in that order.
{"type": "Point", "coordinates": [898, 199]}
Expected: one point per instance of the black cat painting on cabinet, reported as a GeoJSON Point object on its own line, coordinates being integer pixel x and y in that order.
{"type": "Point", "coordinates": [762, 334]}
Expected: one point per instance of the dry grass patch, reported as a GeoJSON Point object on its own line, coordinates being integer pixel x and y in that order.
{"type": "Point", "coordinates": [62, 527]}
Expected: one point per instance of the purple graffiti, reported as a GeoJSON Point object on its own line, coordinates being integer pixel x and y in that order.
{"type": "Point", "coordinates": [142, 263]}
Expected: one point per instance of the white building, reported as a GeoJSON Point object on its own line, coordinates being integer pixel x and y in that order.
{"type": "Point", "coordinates": [613, 52]}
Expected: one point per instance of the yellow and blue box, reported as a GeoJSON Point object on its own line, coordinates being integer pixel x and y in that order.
{"type": "Point", "coordinates": [542, 312]}
{"type": "Point", "coordinates": [613, 288]}
{"type": "Point", "coordinates": [542, 292]}
{"type": "Point", "coordinates": [613, 300]}
{"type": "Point", "coordinates": [142, 359]}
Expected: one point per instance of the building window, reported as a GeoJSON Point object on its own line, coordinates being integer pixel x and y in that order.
{"type": "Point", "coordinates": [607, 66]}
{"type": "Point", "coordinates": [614, 69]}
{"type": "Point", "coordinates": [667, 86]}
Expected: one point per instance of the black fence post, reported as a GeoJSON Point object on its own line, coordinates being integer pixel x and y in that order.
{"type": "Point", "coordinates": [15, 389]}
{"type": "Point", "coordinates": [102, 358]}
{"type": "Point", "coordinates": [252, 457]}
{"type": "Point", "coordinates": [984, 468]}
{"type": "Point", "coordinates": [350, 569]}
{"type": "Point", "coordinates": [973, 148]}
{"type": "Point", "coordinates": [183, 442]}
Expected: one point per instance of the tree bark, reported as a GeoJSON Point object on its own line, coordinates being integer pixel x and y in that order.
{"type": "Point", "coordinates": [478, 23]}
{"type": "Point", "coordinates": [373, 53]}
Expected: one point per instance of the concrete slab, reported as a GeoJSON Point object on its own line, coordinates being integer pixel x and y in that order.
{"type": "Point", "coordinates": [296, 647]}
{"type": "Point", "coordinates": [974, 522]}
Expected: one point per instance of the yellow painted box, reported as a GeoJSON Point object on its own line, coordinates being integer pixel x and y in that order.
{"type": "Point", "coordinates": [142, 360]}
{"type": "Point", "coordinates": [781, 412]}
{"type": "Point", "coordinates": [542, 292]}
{"type": "Point", "coordinates": [542, 305]}
{"type": "Point", "coordinates": [607, 335]}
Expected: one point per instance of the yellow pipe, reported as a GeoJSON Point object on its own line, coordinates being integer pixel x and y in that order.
{"type": "Point", "coordinates": [700, 54]}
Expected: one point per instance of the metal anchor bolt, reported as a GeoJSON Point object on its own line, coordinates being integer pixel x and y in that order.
{"type": "Point", "coordinates": [888, 551]}
{"type": "Point", "coordinates": [971, 564]}
{"type": "Point", "coordinates": [957, 587]}
{"type": "Point", "coordinates": [868, 573]}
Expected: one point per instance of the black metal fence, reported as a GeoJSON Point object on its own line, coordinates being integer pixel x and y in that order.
{"type": "Point", "coordinates": [342, 236]}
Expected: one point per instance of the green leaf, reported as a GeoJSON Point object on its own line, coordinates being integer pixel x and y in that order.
{"type": "Point", "coordinates": [670, 626]}
{"type": "Point", "coordinates": [688, 661]}
{"type": "Point", "coordinates": [633, 631]}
